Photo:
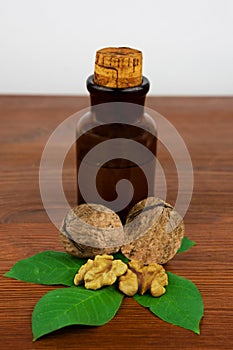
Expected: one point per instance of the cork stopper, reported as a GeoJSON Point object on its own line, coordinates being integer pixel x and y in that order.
{"type": "Point", "coordinates": [118, 67]}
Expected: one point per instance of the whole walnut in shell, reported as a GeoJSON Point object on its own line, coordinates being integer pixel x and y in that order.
{"type": "Point", "coordinates": [91, 229]}
{"type": "Point", "coordinates": [154, 232]}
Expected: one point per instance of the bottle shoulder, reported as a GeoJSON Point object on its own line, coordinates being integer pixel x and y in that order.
{"type": "Point", "coordinates": [88, 123]}
{"type": "Point", "coordinates": [147, 123]}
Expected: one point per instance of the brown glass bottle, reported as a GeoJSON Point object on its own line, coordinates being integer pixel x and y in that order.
{"type": "Point", "coordinates": [116, 113]}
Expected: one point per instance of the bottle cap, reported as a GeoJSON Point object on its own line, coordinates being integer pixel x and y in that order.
{"type": "Point", "coordinates": [118, 67]}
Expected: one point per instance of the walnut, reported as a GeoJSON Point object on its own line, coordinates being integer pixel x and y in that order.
{"type": "Point", "coordinates": [156, 288]}
{"type": "Point", "coordinates": [102, 271]}
{"type": "Point", "coordinates": [128, 283]}
{"type": "Point", "coordinates": [140, 278]}
{"type": "Point", "coordinates": [151, 277]}
{"type": "Point", "coordinates": [154, 232]}
{"type": "Point", "coordinates": [91, 229]}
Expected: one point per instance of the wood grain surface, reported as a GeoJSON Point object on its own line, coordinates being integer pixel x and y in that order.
{"type": "Point", "coordinates": [206, 125]}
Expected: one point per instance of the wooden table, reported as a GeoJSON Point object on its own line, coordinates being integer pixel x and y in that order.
{"type": "Point", "coordinates": [206, 125]}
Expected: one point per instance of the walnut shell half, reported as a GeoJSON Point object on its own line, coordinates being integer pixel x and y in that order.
{"type": "Point", "coordinates": [154, 233]}
{"type": "Point", "coordinates": [91, 229]}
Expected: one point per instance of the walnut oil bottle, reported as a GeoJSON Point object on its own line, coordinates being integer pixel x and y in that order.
{"type": "Point", "coordinates": [117, 93]}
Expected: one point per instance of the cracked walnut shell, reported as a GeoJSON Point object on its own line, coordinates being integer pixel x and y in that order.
{"type": "Point", "coordinates": [91, 229]}
{"type": "Point", "coordinates": [102, 271]}
{"type": "Point", "coordinates": [154, 233]}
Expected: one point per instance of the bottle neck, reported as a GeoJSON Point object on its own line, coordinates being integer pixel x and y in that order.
{"type": "Point", "coordinates": [103, 98]}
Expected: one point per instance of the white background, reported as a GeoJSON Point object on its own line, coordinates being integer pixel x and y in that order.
{"type": "Point", "coordinates": [48, 46]}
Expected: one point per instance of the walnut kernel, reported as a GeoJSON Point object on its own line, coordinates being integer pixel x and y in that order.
{"type": "Point", "coordinates": [128, 283]}
{"type": "Point", "coordinates": [140, 278]}
{"type": "Point", "coordinates": [102, 271]}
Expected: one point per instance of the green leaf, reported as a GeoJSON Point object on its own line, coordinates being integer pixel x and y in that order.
{"type": "Point", "coordinates": [181, 305]}
{"type": "Point", "coordinates": [121, 257]}
{"type": "Point", "coordinates": [49, 267]}
{"type": "Point", "coordinates": [74, 306]}
{"type": "Point", "coordinates": [185, 245]}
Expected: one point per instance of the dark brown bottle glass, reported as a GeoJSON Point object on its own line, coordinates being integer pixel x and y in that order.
{"type": "Point", "coordinates": [106, 121]}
